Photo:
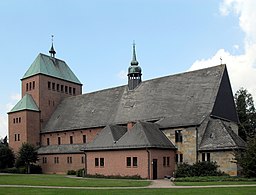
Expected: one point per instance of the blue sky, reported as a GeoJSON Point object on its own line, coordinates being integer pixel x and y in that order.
{"type": "Point", "coordinates": [95, 39]}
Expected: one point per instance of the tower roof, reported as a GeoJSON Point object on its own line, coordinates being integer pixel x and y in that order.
{"type": "Point", "coordinates": [26, 103]}
{"type": "Point", "coordinates": [52, 51]}
{"type": "Point", "coordinates": [50, 66]}
{"type": "Point", "coordinates": [134, 68]}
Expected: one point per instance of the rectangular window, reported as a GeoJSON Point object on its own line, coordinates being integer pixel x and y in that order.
{"type": "Point", "coordinates": [48, 141]}
{"type": "Point", "coordinates": [164, 161]}
{"type": "Point", "coordinates": [49, 85]}
{"type": "Point", "coordinates": [203, 157]}
{"type": "Point", "coordinates": [15, 137]}
{"type": "Point", "coordinates": [26, 86]}
{"type": "Point", "coordinates": [30, 86]}
{"type": "Point", "coordinates": [96, 162]}
{"type": "Point", "coordinates": [59, 141]}
{"type": "Point", "coordinates": [71, 139]}
{"type": "Point", "coordinates": [128, 161]}
{"type": "Point", "coordinates": [56, 160]}
{"type": "Point", "coordinates": [135, 161]}
{"type": "Point", "coordinates": [74, 91]}
{"type": "Point", "coordinates": [66, 89]}
{"type": "Point", "coordinates": [177, 158]}
{"type": "Point", "coordinates": [102, 162]}
{"type": "Point", "coordinates": [14, 120]}
{"type": "Point", "coordinates": [44, 160]}
{"type": "Point", "coordinates": [62, 88]}
{"type": "Point", "coordinates": [70, 90]}
{"type": "Point", "coordinates": [34, 84]}
{"type": "Point", "coordinates": [69, 160]}
{"type": "Point", "coordinates": [208, 157]}
{"type": "Point", "coordinates": [181, 158]}
{"type": "Point", "coordinates": [53, 86]}
{"type": "Point", "coordinates": [178, 136]}
{"type": "Point", "coordinates": [84, 138]}
{"type": "Point", "coordinates": [168, 161]}
{"type": "Point", "coordinates": [82, 159]}
{"type": "Point", "coordinates": [58, 87]}
{"type": "Point", "coordinates": [19, 119]}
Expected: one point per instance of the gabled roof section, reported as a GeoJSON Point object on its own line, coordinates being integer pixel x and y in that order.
{"type": "Point", "coordinates": [178, 100]}
{"type": "Point", "coordinates": [220, 136]}
{"type": "Point", "coordinates": [50, 66]}
{"type": "Point", "coordinates": [26, 103]}
{"type": "Point", "coordinates": [142, 135]}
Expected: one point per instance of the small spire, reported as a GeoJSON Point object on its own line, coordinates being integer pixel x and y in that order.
{"type": "Point", "coordinates": [52, 51]}
{"type": "Point", "coordinates": [134, 61]}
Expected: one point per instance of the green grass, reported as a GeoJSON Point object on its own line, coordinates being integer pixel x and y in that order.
{"type": "Point", "coordinates": [214, 183]}
{"type": "Point", "coordinates": [62, 180]}
{"type": "Point", "coordinates": [212, 191]}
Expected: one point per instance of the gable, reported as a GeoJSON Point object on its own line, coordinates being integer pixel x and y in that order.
{"type": "Point", "coordinates": [224, 106]}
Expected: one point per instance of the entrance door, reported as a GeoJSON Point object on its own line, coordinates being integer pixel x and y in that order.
{"type": "Point", "coordinates": [154, 168]}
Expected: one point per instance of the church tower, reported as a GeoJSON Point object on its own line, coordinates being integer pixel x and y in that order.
{"type": "Point", "coordinates": [134, 72]}
{"type": "Point", "coordinates": [45, 84]}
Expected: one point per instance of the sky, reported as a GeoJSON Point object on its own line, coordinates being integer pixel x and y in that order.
{"type": "Point", "coordinates": [95, 39]}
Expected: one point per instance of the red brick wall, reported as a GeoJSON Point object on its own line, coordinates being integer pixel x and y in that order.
{"type": "Point", "coordinates": [50, 166]}
{"type": "Point", "coordinates": [26, 128]}
{"type": "Point", "coordinates": [48, 99]}
{"type": "Point", "coordinates": [115, 162]}
{"type": "Point", "coordinates": [65, 136]}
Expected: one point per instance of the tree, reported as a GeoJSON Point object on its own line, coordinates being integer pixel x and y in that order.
{"type": "Point", "coordinates": [6, 157]}
{"type": "Point", "coordinates": [247, 158]}
{"type": "Point", "coordinates": [246, 113]}
{"type": "Point", "coordinates": [27, 155]}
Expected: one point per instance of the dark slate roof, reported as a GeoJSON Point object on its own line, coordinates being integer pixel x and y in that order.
{"type": "Point", "coordinates": [177, 100]}
{"type": "Point", "coordinates": [50, 66]}
{"type": "Point", "coordinates": [142, 135]}
{"type": "Point", "coordinates": [220, 136]}
{"type": "Point", "coordinates": [26, 103]}
{"type": "Point", "coordinates": [61, 149]}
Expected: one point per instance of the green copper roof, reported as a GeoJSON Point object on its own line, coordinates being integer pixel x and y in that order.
{"type": "Point", "coordinates": [50, 66]}
{"type": "Point", "coordinates": [26, 103]}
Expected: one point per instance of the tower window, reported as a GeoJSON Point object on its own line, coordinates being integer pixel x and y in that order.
{"type": "Point", "coordinates": [59, 141]}
{"type": "Point", "coordinates": [62, 88]}
{"type": "Point", "coordinates": [84, 138]}
{"type": "Point", "coordinates": [53, 86]}
{"type": "Point", "coordinates": [19, 119]}
{"type": "Point", "coordinates": [178, 136]}
{"type": "Point", "coordinates": [34, 84]}
{"type": "Point", "coordinates": [30, 85]}
{"type": "Point", "coordinates": [66, 89]}
{"type": "Point", "coordinates": [71, 139]}
{"type": "Point", "coordinates": [26, 86]}
{"type": "Point", "coordinates": [49, 85]}
{"type": "Point", "coordinates": [179, 158]}
{"type": "Point", "coordinates": [14, 120]}
{"type": "Point", "coordinates": [206, 157]}
{"type": "Point", "coordinates": [18, 137]}
{"type": "Point", "coordinates": [74, 91]}
{"type": "Point", "coordinates": [48, 141]}
{"type": "Point", "coordinates": [70, 90]}
{"type": "Point", "coordinates": [58, 87]}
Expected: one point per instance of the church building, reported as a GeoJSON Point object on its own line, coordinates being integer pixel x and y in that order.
{"type": "Point", "coordinates": [144, 128]}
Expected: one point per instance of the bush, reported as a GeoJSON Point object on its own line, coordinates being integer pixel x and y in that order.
{"type": "Point", "coordinates": [198, 169]}
{"type": "Point", "coordinates": [35, 169]}
{"type": "Point", "coordinates": [80, 173]}
{"type": "Point", "coordinates": [137, 177]}
{"type": "Point", "coordinates": [71, 172]}
{"type": "Point", "coordinates": [20, 170]}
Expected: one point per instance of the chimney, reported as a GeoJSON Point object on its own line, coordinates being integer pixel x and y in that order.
{"type": "Point", "coordinates": [130, 125]}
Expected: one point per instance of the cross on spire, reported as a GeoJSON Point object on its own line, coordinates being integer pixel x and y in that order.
{"type": "Point", "coordinates": [52, 51]}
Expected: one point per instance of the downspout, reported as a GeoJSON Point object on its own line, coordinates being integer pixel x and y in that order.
{"type": "Point", "coordinates": [197, 144]}
{"type": "Point", "coordinates": [85, 164]}
{"type": "Point", "coordinates": [148, 163]}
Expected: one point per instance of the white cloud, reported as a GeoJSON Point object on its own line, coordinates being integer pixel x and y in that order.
{"type": "Point", "coordinates": [3, 114]}
{"type": "Point", "coordinates": [122, 75]}
{"type": "Point", "coordinates": [241, 68]}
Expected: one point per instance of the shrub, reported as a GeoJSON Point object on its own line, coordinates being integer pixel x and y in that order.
{"type": "Point", "coordinates": [198, 169]}
{"type": "Point", "coordinates": [80, 173]}
{"type": "Point", "coordinates": [35, 169]}
{"type": "Point", "coordinates": [71, 172]}
{"type": "Point", "coordinates": [137, 177]}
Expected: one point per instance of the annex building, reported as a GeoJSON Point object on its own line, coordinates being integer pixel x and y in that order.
{"type": "Point", "coordinates": [143, 128]}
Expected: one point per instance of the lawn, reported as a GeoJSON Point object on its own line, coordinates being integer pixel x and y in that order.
{"type": "Point", "coordinates": [214, 183]}
{"type": "Point", "coordinates": [212, 191]}
{"type": "Point", "coordinates": [62, 180]}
